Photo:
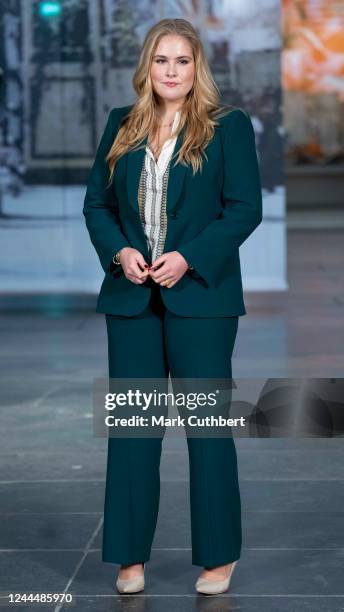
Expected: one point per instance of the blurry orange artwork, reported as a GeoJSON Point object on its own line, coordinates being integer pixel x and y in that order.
{"type": "Point", "coordinates": [313, 46]}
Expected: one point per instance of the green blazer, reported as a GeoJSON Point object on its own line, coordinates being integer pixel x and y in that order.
{"type": "Point", "coordinates": [209, 217]}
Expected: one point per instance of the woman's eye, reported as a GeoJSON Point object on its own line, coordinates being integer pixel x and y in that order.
{"type": "Point", "coordinates": [162, 60]}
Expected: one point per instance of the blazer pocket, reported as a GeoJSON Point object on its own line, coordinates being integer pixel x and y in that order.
{"type": "Point", "coordinates": [197, 277]}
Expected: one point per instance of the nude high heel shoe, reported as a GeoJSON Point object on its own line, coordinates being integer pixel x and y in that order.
{"type": "Point", "coordinates": [131, 585]}
{"type": "Point", "coordinates": [214, 587]}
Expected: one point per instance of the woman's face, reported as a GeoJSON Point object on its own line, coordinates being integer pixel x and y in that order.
{"type": "Point", "coordinates": [172, 62]}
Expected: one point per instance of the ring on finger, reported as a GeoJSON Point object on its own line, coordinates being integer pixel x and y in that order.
{"type": "Point", "coordinates": [166, 282]}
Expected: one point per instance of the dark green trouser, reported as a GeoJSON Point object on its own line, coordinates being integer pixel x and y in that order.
{"type": "Point", "coordinates": [151, 345]}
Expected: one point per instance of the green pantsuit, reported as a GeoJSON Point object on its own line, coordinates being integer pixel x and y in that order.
{"type": "Point", "coordinates": [187, 330]}
{"type": "Point", "coordinates": [151, 345]}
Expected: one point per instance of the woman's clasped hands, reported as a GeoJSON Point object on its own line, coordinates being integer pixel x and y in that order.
{"type": "Point", "coordinates": [166, 270]}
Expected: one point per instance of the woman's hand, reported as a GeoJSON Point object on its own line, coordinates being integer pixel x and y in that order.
{"type": "Point", "coordinates": [168, 267]}
{"type": "Point", "coordinates": [133, 264]}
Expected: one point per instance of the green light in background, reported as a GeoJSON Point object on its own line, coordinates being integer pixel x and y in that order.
{"type": "Point", "coordinates": [50, 9]}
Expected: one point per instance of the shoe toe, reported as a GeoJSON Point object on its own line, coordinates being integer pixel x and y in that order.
{"type": "Point", "coordinates": [211, 587]}
{"type": "Point", "coordinates": [131, 585]}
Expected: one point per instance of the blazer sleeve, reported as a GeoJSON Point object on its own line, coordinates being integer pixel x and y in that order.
{"type": "Point", "coordinates": [210, 251]}
{"type": "Point", "coordinates": [101, 205]}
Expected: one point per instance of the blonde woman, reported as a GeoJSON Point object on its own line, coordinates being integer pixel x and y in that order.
{"type": "Point", "coordinates": [173, 192]}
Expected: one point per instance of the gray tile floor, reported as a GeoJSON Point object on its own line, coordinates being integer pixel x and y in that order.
{"type": "Point", "coordinates": [52, 469]}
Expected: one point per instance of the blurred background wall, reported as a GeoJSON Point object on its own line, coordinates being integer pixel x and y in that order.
{"type": "Point", "coordinates": [65, 64]}
{"type": "Point", "coordinates": [313, 87]}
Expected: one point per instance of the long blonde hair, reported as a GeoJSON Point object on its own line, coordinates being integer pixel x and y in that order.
{"type": "Point", "coordinates": [198, 114]}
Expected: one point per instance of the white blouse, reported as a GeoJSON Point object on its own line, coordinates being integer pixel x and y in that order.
{"type": "Point", "coordinates": [153, 191]}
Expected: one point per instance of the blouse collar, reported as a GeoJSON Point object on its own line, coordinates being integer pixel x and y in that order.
{"type": "Point", "coordinates": [170, 141]}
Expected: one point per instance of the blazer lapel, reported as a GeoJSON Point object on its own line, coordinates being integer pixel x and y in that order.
{"type": "Point", "coordinates": [135, 160]}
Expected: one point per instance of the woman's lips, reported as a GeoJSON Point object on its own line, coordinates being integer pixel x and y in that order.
{"type": "Point", "coordinates": [171, 84]}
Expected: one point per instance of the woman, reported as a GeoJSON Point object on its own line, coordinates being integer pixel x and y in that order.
{"type": "Point", "coordinates": [167, 236]}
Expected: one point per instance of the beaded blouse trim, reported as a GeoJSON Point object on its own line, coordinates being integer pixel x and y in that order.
{"type": "Point", "coordinates": [142, 193]}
